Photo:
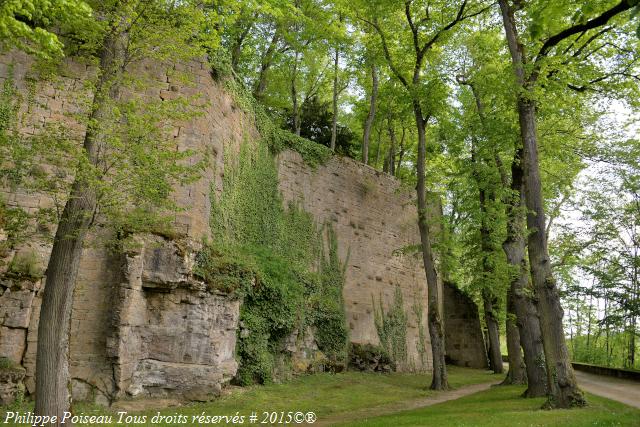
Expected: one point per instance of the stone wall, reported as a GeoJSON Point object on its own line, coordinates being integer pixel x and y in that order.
{"type": "Point", "coordinates": [374, 218]}
{"type": "Point", "coordinates": [114, 310]}
{"type": "Point", "coordinates": [142, 325]}
{"type": "Point", "coordinates": [170, 334]}
{"type": "Point", "coordinates": [463, 334]}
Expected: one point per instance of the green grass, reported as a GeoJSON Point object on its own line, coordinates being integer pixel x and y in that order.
{"type": "Point", "coordinates": [324, 394]}
{"type": "Point", "coordinates": [503, 406]}
{"type": "Point", "coordinates": [340, 395]}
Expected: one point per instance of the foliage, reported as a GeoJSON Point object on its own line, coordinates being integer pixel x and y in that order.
{"type": "Point", "coordinates": [276, 138]}
{"type": "Point", "coordinates": [391, 327]}
{"type": "Point", "coordinates": [370, 358]}
{"type": "Point", "coordinates": [316, 119]}
{"type": "Point", "coordinates": [296, 283]}
{"type": "Point", "coordinates": [34, 25]}
{"type": "Point", "coordinates": [25, 265]}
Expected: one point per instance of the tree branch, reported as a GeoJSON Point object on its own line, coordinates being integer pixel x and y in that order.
{"type": "Point", "coordinates": [387, 53]}
{"type": "Point", "coordinates": [554, 40]}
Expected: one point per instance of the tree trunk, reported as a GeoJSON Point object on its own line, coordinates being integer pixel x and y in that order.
{"type": "Point", "coordinates": [244, 27]}
{"type": "Point", "coordinates": [52, 358]}
{"type": "Point", "coordinates": [562, 384]}
{"type": "Point", "coordinates": [563, 387]}
{"type": "Point", "coordinates": [334, 123]}
{"type": "Point", "coordinates": [401, 153]}
{"type": "Point", "coordinates": [436, 330]}
{"type": "Point", "coordinates": [493, 332]}
{"type": "Point", "coordinates": [526, 313]}
{"type": "Point", "coordinates": [265, 64]}
{"type": "Point", "coordinates": [489, 301]}
{"type": "Point", "coordinates": [391, 159]}
{"type": "Point", "coordinates": [295, 107]}
{"type": "Point", "coordinates": [368, 124]}
{"type": "Point", "coordinates": [378, 148]}
{"type": "Point", "coordinates": [517, 372]}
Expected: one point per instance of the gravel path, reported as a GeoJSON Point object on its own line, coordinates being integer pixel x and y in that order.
{"type": "Point", "coordinates": [624, 391]}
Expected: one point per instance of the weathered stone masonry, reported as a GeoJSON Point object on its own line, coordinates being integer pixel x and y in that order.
{"type": "Point", "coordinates": [374, 218]}
{"type": "Point", "coordinates": [142, 325]}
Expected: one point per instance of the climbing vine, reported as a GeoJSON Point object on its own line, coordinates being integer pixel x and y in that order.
{"type": "Point", "coordinates": [392, 328]}
{"type": "Point", "coordinates": [282, 263]}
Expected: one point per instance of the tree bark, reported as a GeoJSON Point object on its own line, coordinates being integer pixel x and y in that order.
{"type": "Point", "coordinates": [517, 373]}
{"type": "Point", "coordinates": [391, 159]}
{"type": "Point", "coordinates": [368, 124]}
{"type": "Point", "coordinates": [334, 123]}
{"type": "Point", "coordinates": [526, 313]}
{"type": "Point", "coordinates": [562, 384]}
{"type": "Point", "coordinates": [52, 359]}
{"type": "Point", "coordinates": [493, 332]}
{"type": "Point", "coordinates": [563, 387]}
{"type": "Point", "coordinates": [436, 331]}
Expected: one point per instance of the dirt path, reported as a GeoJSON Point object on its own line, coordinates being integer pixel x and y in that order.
{"type": "Point", "coordinates": [624, 391]}
{"type": "Point", "coordinates": [405, 405]}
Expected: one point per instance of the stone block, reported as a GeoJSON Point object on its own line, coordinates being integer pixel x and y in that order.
{"type": "Point", "coordinates": [13, 342]}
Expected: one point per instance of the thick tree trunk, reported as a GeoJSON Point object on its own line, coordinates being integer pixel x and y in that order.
{"type": "Point", "coordinates": [368, 124]}
{"type": "Point", "coordinates": [334, 123]}
{"type": "Point", "coordinates": [526, 313]}
{"type": "Point", "coordinates": [563, 387]}
{"type": "Point", "coordinates": [436, 329]}
{"type": "Point", "coordinates": [52, 358]}
{"type": "Point", "coordinates": [517, 371]}
{"type": "Point", "coordinates": [562, 384]}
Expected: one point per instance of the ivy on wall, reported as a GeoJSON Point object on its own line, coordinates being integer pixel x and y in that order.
{"type": "Point", "coordinates": [391, 327]}
{"type": "Point", "coordinates": [279, 260]}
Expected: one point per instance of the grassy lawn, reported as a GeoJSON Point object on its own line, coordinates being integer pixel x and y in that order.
{"type": "Point", "coordinates": [334, 396]}
{"type": "Point", "coordinates": [502, 406]}
{"type": "Point", "coordinates": [324, 394]}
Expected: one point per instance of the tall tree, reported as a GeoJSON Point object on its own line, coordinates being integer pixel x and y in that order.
{"type": "Point", "coordinates": [145, 161]}
{"type": "Point", "coordinates": [563, 388]}
{"type": "Point", "coordinates": [424, 32]}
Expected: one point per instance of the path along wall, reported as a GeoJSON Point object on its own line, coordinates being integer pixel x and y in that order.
{"type": "Point", "coordinates": [142, 325]}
